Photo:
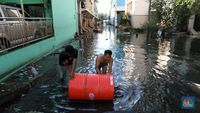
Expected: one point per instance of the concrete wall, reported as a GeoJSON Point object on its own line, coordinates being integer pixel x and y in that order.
{"type": "Point", "coordinates": [139, 13]}
{"type": "Point", "coordinates": [138, 20]}
{"type": "Point", "coordinates": [141, 7]}
{"type": "Point", "coordinates": [65, 25]}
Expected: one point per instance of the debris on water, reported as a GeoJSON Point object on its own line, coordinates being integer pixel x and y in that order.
{"type": "Point", "coordinates": [87, 110]}
{"type": "Point", "coordinates": [46, 92]}
{"type": "Point", "coordinates": [17, 110]}
{"type": "Point", "coordinates": [168, 90]}
{"type": "Point", "coordinates": [34, 71]}
{"type": "Point", "coordinates": [66, 108]}
{"type": "Point", "coordinates": [34, 112]}
{"type": "Point", "coordinates": [21, 74]}
{"type": "Point", "coordinates": [81, 49]}
{"type": "Point", "coordinates": [25, 72]}
{"type": "Point", "coordinates": [2, 83]}
{"type": "Point", "coordinates": [44, 86]}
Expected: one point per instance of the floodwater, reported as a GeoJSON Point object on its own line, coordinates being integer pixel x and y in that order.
{"type": "Point", "coordinates": [151, 76]}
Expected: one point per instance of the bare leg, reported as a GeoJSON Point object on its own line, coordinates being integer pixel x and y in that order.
{"type": "Point", "coordinates": [62, 72]}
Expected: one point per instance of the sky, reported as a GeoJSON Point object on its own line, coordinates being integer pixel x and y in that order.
{"type": "Point", "coordinates": [103, 6]}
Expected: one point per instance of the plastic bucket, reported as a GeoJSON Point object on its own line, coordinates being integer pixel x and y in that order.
{"type": "Point", "coordinates": [91, 87]}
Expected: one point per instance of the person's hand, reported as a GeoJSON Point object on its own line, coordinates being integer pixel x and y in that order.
{"type": "Point", "coordinates": [72, 75]}
{"type": "Point", "coordinates": [99, 72]}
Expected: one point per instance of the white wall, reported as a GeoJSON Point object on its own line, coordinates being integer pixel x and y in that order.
{"type": "Point", "coordinates": [112, 16]}
{"type": "Point", "coordinates": [141, 7]}
{"type": "Point", "coordinates": [139, 13]}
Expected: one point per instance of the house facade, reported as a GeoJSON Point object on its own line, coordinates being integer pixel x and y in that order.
{"type": "Point", "coordinates": [117, 7]}
{"type": "Point", "coordinates": [138, 9]}
{"type": "Point", "coordinates": [87, 14]}
{"type": "Point", "coordinates": [64, 23]}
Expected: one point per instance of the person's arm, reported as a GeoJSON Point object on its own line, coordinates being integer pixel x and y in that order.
{"type": "Point", "coordinates": [66, 66]}
{"type": "Point", "coordinates": [110, 66]}
{"type": "Point", "coordinates": [97, 66]}
{"type": "Point", "coordinates": [73, 68]}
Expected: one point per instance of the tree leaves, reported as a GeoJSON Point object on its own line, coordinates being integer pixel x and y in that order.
{"type": "Point", "coordinates": [175, 13]}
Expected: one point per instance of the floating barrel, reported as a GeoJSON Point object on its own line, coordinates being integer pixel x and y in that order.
{"type": "Point", "coordinates": [91, 87]}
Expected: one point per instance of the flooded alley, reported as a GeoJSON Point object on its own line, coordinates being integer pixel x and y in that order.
{"type": "Point", "coordinates": [151, 76]}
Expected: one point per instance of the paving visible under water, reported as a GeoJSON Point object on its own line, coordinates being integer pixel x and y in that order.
{"type": "Point", "coordinates": [150, 76]}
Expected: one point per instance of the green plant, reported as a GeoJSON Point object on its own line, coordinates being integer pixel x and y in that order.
{"type": "Point", "coordinates": [125, 19]}
{"type": "Point", "coordinates": [151, 26]}
{"type": "Point", "coordinates": [182, 10]}
{"type": "Point", "coordinates": [174, 14]}
{"type": "Point", "coordinates": [102, 16]}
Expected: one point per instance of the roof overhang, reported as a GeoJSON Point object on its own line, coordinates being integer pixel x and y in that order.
{"type": "Point", "coordinates": [86, 11]}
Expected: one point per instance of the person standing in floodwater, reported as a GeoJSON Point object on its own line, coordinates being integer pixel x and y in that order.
{"type": "Point", "coordinates": [67, 61]}
{"type": "Point", "coordinates": [102, 62]}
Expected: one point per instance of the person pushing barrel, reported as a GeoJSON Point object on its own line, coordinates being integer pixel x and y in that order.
{"type": "Point", "coordinates": [104, 63]}
{"type": "Point", "coordinates": [67, 61]}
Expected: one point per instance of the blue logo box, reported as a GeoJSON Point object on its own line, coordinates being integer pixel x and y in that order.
{"type": "Point", "coordinates": [188, 102]}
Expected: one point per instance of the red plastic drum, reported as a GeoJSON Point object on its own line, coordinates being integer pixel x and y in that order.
{"type": "Point", "coordinates": [91, 87]}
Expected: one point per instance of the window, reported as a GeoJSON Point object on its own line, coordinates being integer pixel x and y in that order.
{"type": "Point", "coordinates": [35, 10]}
{"type": "Point", "coordinates": [11, 13]}
{"type": "Point", "coordinates": [82, 5]}
{"type": "Point", "coordinates": [22, 30]}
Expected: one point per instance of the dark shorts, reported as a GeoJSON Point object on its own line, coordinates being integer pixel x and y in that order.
{"type": "Point", "coordinates": [102, 65]}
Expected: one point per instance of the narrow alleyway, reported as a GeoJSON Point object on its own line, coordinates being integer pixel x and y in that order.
{"type": "Point", "coordinates": [150, 77]}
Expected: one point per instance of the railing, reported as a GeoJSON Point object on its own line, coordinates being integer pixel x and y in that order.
{"type": "Point", "coordinates": [15, 32]}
